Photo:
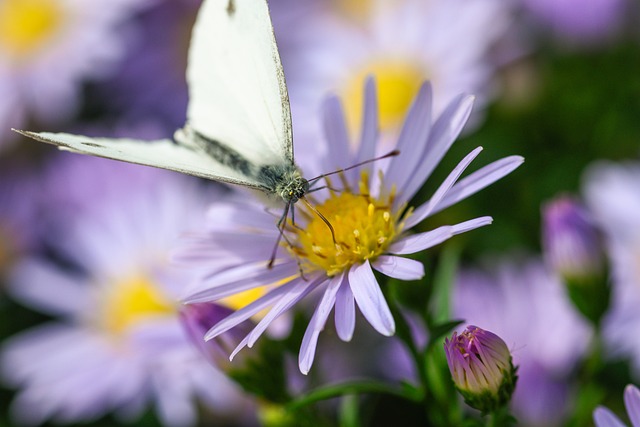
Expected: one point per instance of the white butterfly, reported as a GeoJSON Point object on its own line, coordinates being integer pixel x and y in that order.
{"type": "Point", "coordinates": [238, 127]}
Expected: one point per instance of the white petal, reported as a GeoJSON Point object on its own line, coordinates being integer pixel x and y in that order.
{"type": "Point", "coordinates": [429, 239]}
{"type": "Point", "coordinates": [236, 280]}
{"type": "Point", "coordinates": [239, 316]}
{"type": "Point", "coordinates": [472, 224]}
{"type": "Point", "coordinates": [288, 300]}
{"type": "Point", "coordinates": [399, 267]}
{"type": "Point", "coordinates": [603, 417]}
{"type": "Point", "coordinates": [370, 300]}
{"type": "Point", "coordinates": [422, 241]}
{"type": "Point", "coordinates": [316, 325]}
{"type": "Point", "coordinates": [413, 139]}
{"type": "Point", "coordinates": [427, 208]}
{"type": "Point", "coordinates": [47, 288]}
{"type": "Point", "coordinates": [478, 180]}
{"type": "Point", "coordinates": [345, 317]}
{"type": "Point", "coordinates": [369, 135]}
{"type": "Point", "coordinates": [444, 132]}
{"type": "Point", "coordinates": [336, 133]}
{"type": "Point", "coordinates": [632, 403]}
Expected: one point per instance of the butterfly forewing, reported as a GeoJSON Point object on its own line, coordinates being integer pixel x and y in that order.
{"type": "Point", "coordinates": [163, 154]}
{"type": "Point", "coordinates": [239, 122]}
{"type": "Point", "coordinates": [237, 91]}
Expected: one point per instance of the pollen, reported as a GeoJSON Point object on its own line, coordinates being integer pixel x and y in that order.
{"type": "Point", "coordinates": [26, 25]}
{"type": "Point", "coordinates": [363, 227]}
{"type": "Point", "coordinates": [131, 301]}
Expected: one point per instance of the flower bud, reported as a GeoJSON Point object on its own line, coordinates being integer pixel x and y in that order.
{"type": "Point", "coordinates": [481, 367]}
{"type": "Point", "coordinates": [574, 250]}
{"type": "Point", "coordinates": [572, 244]}
{"type": "Point", "coordinates": [198, 318]}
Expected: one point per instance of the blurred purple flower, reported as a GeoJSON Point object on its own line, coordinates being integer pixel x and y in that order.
{"type": "Point", "coordinates": [118, 344]}
{"type": "Point", "coordinates": [572, 244]}
{"type": "Point", "coordinates": [401, 43]}
{"type": "Point", "coordinates": [48, 48]}
{"type": "Point", "coordinates": [579, 20]}
{"type": "Point", "coordinates": [546, 335]}
{"type": "Point", "coordinates": [198, 318]}
{"type": "Point", "coordinates": [151, 85]}
{"type": "Point", "coordinates": [603, 417]}
{"type": "Point", "coordinates": [371, 231]}
{"type": "Point", "coordinates": [19, 214]}
{"type": "Point", "coordinates": [574, 249]}
{"type": "Point", "coordinates": [611, 192]}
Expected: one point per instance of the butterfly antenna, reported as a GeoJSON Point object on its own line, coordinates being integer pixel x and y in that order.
{"type": "Point", "coordinates": [357, 165]}
{"type": "Point", "coordinates": [281, 224]}
{"type": "Point", "coordinates": [322, 217]}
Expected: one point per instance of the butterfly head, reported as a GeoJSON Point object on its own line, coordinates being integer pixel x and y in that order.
{"type": "Point", "coordinates": [293, 186]}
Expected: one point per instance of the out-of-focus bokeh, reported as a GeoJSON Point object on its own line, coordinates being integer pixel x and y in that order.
{"type": "Point", "coordinates": [90, 326]}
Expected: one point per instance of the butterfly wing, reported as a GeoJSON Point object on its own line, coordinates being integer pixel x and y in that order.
{"type": "Point", "coordinates": [237, 91]}
{"type": "Point", "coordinates": [164, 154]}
{"type": "Point", "coordinates": [238, 103]}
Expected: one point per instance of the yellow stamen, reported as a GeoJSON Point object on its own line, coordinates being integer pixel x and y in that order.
{"type": "Point", "coordinates": [397, 80]}
{"type": "Point", "coordinates": [363, 226]}
{"type": "Point", "coordinates": [26, 25]}
{"type": "Point", "coordinates": [131, 301]}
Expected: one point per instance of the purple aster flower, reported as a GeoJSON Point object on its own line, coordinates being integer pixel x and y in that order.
{"type": "Point", "coordinates": [603, 417]}
{"type": "Point", "coordinates": [546, 334]}
{"type": "Point", "coordinates": [370, 225]}
{"type": "Point", "coordinates": [572, 243]}
{"type": "Point", "coordinates": [574, 249]}
{"type": "Point", "coordinates": [116, 342]}
{"type": "Point", "coordinates": [481, 367]}
{"type": "Point", "coordinates": [48, 48]}
{"type": "Point", "coordinates": [401, 43]}
{"type": "Point", "coordinates": [611, 192]}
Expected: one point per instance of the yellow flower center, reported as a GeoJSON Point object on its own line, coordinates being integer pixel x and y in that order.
{"type": "Point", "coordinates": [357, 9]}
{"type": "Point", "coordinates": [397, 82]}
{"type": "Point", "coordinates": [363, 227]}
{"type": "Point", "coordinates": [25, 25]}
{"type": "Point", "coordinates": [242, 299]}
{"type": "Point", "coordinates": [131, 301]}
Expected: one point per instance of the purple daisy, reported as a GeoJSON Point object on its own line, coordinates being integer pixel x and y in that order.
{"type": "Point", "coordinates": [370, 224]}
{"type": "Point", "coordinates": [115, 342]}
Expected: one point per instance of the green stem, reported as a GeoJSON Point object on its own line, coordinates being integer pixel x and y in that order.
{"type": "Point", "coordinates": [352, 387]}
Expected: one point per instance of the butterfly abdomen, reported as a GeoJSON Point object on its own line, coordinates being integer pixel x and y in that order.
{"type": "Point", "coordinates": [221, 153]}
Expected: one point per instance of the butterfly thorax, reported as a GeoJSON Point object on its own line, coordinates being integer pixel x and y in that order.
{"type": "Point", "coordinates": [285, 180]}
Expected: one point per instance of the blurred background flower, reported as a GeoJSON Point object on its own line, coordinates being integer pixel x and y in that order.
{"type": "Point", "coordinates": [48, 48]}
{"type": "Point", "coordinates": [116, 343]}
{"type": "Point", "coordinates": [611, 191]}
{"type": "Point", "coordinates": [402, 43]}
